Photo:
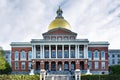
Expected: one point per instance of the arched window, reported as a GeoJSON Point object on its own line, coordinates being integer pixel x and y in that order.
{"type": "Point", "coordinates": [29, 55]}
{"type": "Point", "coordinates": [96, 55]}
{"type": "Point", "coordinates": [103, 55]}
{"type": "Point", "coordinates": [16, 55]}
{"type": "Point", "coordinates": [89, 55]}
{"type": "Point", "coordinates": [23, 55]}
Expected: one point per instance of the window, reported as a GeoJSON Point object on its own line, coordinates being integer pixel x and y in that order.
{"type": "Point", "coordinates": [23, 65]}
{"type": "Point", "coordinates": [90, 55]}
{"type": "Point", "coordinates": [23, 55]}
{"type": "Point", "coordinates": [72, 53]}
{"type": "Point", "coordinates": [81, 54]}
{"type": "Point", "coordinates": [96, 65]}
{"type": "Point", "coordinates": [46, 53]}
{"type": "Point", "coordinates": [113, 61]}
{"type": "Point", "coordinates": [53, 55]}
{"type": "Point", "coordinates": [103, 55]}
{"type": "Point", "coordinates": [103, 65]}
{"type": "Point", "coordinates": [118, 61]}
{"type": "Point", "coordinates": [59, 54]}
{"type": "Point", "coordinates": [16, 65]}
{"type": "Point", "coordinates": [96, 55]}
{"type": "Point", "coordinates": [113, 56]}
{"type": "Point", "coordinates": [29, 65]}
{"type": "Point", "coordinates": [118, 55]}
{"type": "Point", "coordinates": [66, 54]}
{"type": "Point", "coordinates": [37, 54]}
{"type": "Point", "coordinates": [16, 55]}
{"type": "Point", "coordinates": [29, 55]}
{"type": "Point", "coordinates": [90, 65]}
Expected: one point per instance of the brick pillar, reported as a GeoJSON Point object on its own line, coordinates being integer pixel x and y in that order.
{"type": "Point", "coordinates": [63, 66]}
{"type": "Point", "coordinates": [85, 65]}
{"type": "Point", "coordinates": [56, 65]}
{"type": "Point", "coordinates": [69, 65]}
{"type": "Point", "coordinates": [77, 65]}
{"type": "Point", "coordinates": [42, 65]}
{"type": "Point", "coordinates": [34, 65]}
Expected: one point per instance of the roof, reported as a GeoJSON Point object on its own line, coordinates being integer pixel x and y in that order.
{"type": "Point", "coordinates": [60, 31]}
{"type": "Point", "coordinates": [114, 51]}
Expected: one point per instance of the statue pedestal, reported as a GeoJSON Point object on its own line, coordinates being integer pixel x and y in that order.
{"type": "Point", "coordinates": [31, 72]}
{"type": "Point", "coordinates": [88, 72]}
{"type": "Point", "coordinates": [43, 74]}
{"type": "Point", "coordinates": [77, 74]}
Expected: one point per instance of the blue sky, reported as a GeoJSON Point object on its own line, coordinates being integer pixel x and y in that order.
{"type": "Point", "coordinates": [23, 20]}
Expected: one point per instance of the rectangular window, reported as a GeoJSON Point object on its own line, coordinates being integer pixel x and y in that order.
{"type": "Point", "coordinates": [113, 61]}
{"type": "Point", "coordinates": [90, 65]}
{"type": "Point", "coordinates": [113, 56]}
{"type": "Point", "coordinates": [29, 55]}
{"type": "Point", "coordinates": [96, 65]}
{"type": "Point", "coordinates": [72, 53]}
{"type": "Point", "coordinates": [59, 54]}
{"type": "Point", "coordinates": [103, 65]}
{"type": "Point", "coordinates": [16, 65]}
{"type": "Point", "coordinates": [53, 54]}
{"type": "Point", "coordinates": [29, 65]}
{"type": "Point", "coordinates": [90, 55]}
{"type": "Point", "coordinates": [66, 54]}
{"type": "Point", "coordinates": [81, 54]}
{"type": "Point", "coordinates": [46, 53]}
{"type": "Point", "coordinates": [23, 65]}
{"type": "Point", "coordinates": [16, 55]}
{"type": "Point", "coordinates": [37, 54]}
{"type": "Point", "coordinates": [118, 61]}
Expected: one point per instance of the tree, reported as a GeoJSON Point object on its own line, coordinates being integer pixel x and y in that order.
{"type": "Point", "coordinates": [4, 65]}
{"type": "Point", "coordinates": [115, 69]}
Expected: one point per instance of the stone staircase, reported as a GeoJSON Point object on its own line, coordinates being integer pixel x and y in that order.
{"type": "Point", "coordinates": [59, 75]}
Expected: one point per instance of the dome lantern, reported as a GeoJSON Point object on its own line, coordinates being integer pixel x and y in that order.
{"type": "Point", "coordinates": [59, 13]}
{"type": "Point", "coordinates": [59, 21]}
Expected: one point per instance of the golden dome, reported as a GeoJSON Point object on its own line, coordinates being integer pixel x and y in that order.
{"type": "Point", "coordinates": [59, 22]}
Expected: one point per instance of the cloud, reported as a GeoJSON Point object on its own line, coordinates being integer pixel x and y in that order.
{"type": "Point", "coordinates": [23, 20]}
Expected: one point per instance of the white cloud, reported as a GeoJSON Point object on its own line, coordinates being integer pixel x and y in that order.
{"type": "Point", "coordinates": [23, 20]}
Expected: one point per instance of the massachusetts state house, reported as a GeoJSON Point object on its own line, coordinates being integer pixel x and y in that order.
{"type": "Point", "coordinates": [59, 50]}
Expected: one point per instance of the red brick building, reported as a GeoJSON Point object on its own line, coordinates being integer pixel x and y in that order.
{"type": "Point", "coordinates": [60, 50]}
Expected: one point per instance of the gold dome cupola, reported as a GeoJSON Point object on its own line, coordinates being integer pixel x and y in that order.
{"type": "Point", "coordinates": [59, 21]}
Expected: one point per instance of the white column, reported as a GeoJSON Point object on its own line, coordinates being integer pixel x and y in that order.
{"type": "Point", "coordinates": [40, 51]}
{"type": "Point", "coordinates": [32, 51]}
{"type": "Point", "coordinates": [62, 51]}
{"type": "Point", "coordinates": [49, 51]}
{"type": "Point", "coordinates": [56, 50]}
{"type": "Point", "coordinates": [35, 51]}
{"type": "Point", "coordinates": [69, 51]}
{"type": "Point", "coordinates": [76, 51]}
{"type": "Point", "coordinates": [43, 52]}
{"type": "Point", "coordinates": [85, 51]}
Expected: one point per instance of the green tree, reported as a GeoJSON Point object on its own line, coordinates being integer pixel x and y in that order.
{"type": "Point", "coordinates": [4, 65]}
{"type": "Point", "coordinates": [115, 69]}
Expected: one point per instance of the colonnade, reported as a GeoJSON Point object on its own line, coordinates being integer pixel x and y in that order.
{"type": "Point", "coordinates": [80, 51]}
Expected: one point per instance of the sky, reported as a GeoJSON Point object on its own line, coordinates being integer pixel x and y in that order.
{"type": "Point", "coordinates": [95, 20]}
